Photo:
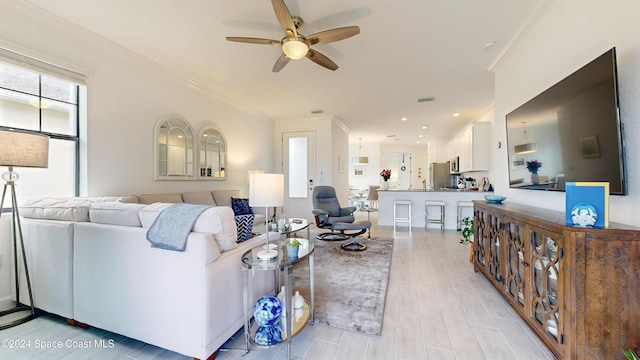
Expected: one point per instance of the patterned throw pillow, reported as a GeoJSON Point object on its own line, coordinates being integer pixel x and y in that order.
{"type": "Point", "coordinates": [244, 223]}
{"type": "Point", "coordinates": [240, 206]}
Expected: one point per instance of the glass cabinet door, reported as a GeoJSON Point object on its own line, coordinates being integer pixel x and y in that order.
{"type": "Point", "coordinates": [515, 264]}
{"type": "Point", "coordinates": [493, 247]}
{"type": "Point", "coordinates": [545, 271]}
{"type": "Point", "coordinates": [480, 238]}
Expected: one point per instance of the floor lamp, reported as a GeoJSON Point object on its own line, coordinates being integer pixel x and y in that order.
{"type": "Point", "coordinates": [21, 149]}
{"type": "Point", "coordinates": [266, 190]}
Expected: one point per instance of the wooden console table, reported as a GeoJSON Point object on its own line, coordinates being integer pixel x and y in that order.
{"type": "Point", "coordinates": [577, 288]}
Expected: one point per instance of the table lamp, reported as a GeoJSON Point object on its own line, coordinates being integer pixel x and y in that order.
{"type": "Point", "coordinates": [20, 149]}
{"type": "Point", "coordinates": [266, 190]}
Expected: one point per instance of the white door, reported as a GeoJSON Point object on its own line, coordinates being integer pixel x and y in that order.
{"type": "Point", "coordinates": [298, 154]}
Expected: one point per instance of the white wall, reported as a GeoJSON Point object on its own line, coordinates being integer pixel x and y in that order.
{"type": "Point", "coordinates": [126, 95]}
{"type": "Point", "coordinates": [570, 34]}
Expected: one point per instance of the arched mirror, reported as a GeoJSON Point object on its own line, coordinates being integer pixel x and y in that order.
{"type": "Point", "coordinates": [212, 153]}
{"type": "Point", "coordinates": [174, 151]}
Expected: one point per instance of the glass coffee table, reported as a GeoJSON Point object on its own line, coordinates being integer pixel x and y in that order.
{"type": "Point", "coordinates": [295, 225]}
{"type": "Point", "coordinates": [251, 261]}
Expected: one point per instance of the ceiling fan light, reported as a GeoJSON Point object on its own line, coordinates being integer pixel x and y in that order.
{"type": "Point", "coordinates": [295, 48]}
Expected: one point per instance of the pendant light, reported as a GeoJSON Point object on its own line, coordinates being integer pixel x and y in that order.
{"type": "Point", "coordinates": [526, 147]}
{"type": "Point", "coordinates": [360, 160]}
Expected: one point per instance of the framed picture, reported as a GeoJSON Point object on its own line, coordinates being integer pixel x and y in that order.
{"type": "Point", "coordinates": [358, 172]}
{"type": "Point", "coordinates": [518, 163]}
{"type": "Point", "coordinates": [589, 147]}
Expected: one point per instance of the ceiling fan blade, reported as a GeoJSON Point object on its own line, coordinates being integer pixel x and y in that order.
{"type": "Point", "coordinates": [328, 36]}
{"type": "Point", "coordinates": [284, 18]}
{"type": "Point", "coordinates": [280, 63]}
{"type": "Point", "coordinates": [321, 60]}
{"type": "Point", "coordinates": [254, 40]}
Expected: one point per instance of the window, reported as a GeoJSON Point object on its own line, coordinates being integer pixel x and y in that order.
{"type": "Point", "coordinates": [35, 101]}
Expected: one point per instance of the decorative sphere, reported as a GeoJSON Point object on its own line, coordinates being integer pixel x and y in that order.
{"type": "Point", "coordinates": [268, 335]}
{"type": "Point", "coordinates": [10, 176]}
{"type": "Point", "coordinates": [267, 310]}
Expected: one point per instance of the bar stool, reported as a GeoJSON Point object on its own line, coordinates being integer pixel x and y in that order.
{"type": "Point", "coordinates": [427, 220]}
{"type": "Point", "coordinates": [460, 209]}
{"type": "Point", "coordinates": [397, 219]}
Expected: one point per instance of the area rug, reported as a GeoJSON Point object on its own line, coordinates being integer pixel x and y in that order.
{"type": "Point", "coordinates": [350, 287]}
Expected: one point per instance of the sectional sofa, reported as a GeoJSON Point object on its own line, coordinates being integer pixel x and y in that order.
{"type": "Point", "coordinates": [90, 262]}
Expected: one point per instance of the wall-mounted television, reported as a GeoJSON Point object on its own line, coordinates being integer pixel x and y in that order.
{"type": "Point", "coordinates": [572, 130]}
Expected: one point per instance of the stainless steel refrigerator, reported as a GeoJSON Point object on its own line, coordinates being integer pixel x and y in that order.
{"type": "Point", "coordinates": [440, 175]}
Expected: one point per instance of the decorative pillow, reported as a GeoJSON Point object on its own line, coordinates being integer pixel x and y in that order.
{"type": "Point", "coordinates": [244, 223]}
{"type": "Point", "coordinates": [240, 206]}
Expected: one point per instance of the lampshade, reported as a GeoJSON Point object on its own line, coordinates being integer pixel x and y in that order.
{"type": "Point", "coordinates": [266, 190]}
{"type": "Point", "coordinates": [23, 149]}
{"type": "Point", "coordinates": [525, 148]}
{"type": "Point", "coordinates": [295, 48]}
{"type": "Point", "coordinates": [360, 160]}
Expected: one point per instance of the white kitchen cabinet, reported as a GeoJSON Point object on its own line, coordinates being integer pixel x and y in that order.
{"type": "Point", "coordinates": [473, 147]}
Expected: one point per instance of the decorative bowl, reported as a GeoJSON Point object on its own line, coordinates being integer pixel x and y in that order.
{"type": "Point", "coordinates": [495, 199]}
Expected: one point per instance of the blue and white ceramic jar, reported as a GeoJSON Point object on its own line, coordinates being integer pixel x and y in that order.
{"type": "Point", "coordinates": [268, 335]}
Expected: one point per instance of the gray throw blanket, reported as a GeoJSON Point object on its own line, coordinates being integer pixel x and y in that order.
{"type": "Point", "coordinates": [171, 228]}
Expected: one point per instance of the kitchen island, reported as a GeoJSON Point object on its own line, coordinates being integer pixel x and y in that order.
{"type": "Point", "coordinates": [418, 197]}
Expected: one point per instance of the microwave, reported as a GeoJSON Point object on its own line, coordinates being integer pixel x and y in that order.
{"type": "Point", "coordinates": [454, 165]}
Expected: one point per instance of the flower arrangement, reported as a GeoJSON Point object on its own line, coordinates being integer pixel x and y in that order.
{"type": "Point", "coordinates": [533, 166]}
{"type": "Point", "coordinates": [386, 174]}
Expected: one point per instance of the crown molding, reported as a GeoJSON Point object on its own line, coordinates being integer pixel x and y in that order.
{"type": "Point", "coordinates": [529, 21]}
{"type": "Point", "coordinates": [38, 14]}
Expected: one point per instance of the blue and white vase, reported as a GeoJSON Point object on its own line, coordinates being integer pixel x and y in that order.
{"type": "Point", "coordinates": [268, 335]}
{"type": "Point", "coordinates": [267, 310]}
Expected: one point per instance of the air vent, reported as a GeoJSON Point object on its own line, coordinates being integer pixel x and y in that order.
{"type": "Point", "coordinates": [426, 99]}
{"type": "Point", "coordinates": [391, 136]}
{"type": "Point", "coordinates": [315, 112]}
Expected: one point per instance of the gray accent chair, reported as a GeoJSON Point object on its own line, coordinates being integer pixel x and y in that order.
{"type": "Point", "coordinates": [328, 212]}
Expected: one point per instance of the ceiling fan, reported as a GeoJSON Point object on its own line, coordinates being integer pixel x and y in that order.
{"type": "Point", "coordinates": [297, 46]}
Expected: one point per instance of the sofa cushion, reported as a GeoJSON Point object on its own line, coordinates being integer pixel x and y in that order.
{"type": "Point", "coordinates": [116, 213]}
{"type": "Point", "coordinates": [56, 209]}
{"type": "Point", "coordinates": [217, 220]}
{"type": "Point", "coordinates": [223, 197]}
{"type": "Point", "coordinates": [241, 206]}
{"type": "Point", "coordinates": [198, 197]}
{"type": "Point", "coordinates": [244, 223]}
{"type": "Point", "coordinates": [160, 198]}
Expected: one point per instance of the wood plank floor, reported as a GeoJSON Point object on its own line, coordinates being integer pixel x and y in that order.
{"type": "Point", "coordinates": [436, 308]}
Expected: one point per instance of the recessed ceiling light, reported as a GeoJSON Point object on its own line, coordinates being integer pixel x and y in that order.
{"type": "Point", "coordinates": [417, 142]}
{"type": "Point", "coordinates": [424, 127]}
{"type": "Point", "coordinates": [420, 136]}
{"type": "Point", "coordinates": [455, 114]}
{"type": "Point", "coordinates": [489, 44]}
{"type": "Point", "coordinates": [404, 119]}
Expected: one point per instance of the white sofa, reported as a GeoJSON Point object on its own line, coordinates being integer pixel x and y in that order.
{"type": "Point", "coordinates": [90, 261]}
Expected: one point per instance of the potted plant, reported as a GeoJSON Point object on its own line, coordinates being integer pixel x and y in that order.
{"type": "Point", "coordinates": [630, 354]}
{"type": "Point", "coordinates": [293, 245]}
{"type": "Point", "coordinates": [466, 230]}
{"type": "Point", "coordinates": [533, 167]}
{"type": "Point", "coordinates": [386, 175]}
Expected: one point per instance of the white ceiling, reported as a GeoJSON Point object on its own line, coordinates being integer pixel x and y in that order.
{"type": "Point", "coordinates": [406, 50]}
